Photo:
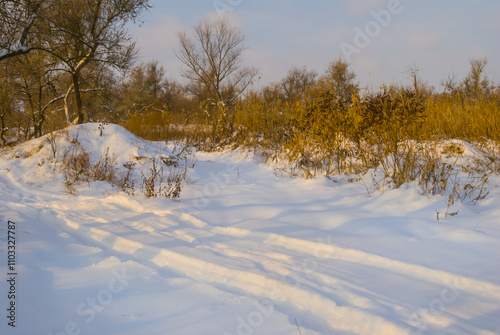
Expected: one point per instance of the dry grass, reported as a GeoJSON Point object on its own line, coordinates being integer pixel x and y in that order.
{"type": "Point", "coordinates": [157, 183]}
{"type": "Point", "coordinates": [397, 130]}
{"type": "Point", "coordinates": [165, 177]}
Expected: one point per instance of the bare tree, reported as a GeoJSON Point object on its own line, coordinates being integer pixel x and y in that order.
{"type": "Point", "coordinates": [296, 82]}
{"type": "Point", "coordinates": [36, 87]}
{"type": "Point", "coordinates": [450, 84]}
{"type": "Point", "coordinates": [212, 60]}
{"type": "Point", "coordinates": [7, 99]}
{"type": "Point", "coordinates": [18, 20]}
{"type": "Point", "coordinates": [92, 31]}
{"type": "Point", "coordinates": [74, 32]}
{"type": "Point", "coordinates": [146, 87]}
{"type": "Point", "coordinates": [476, 85]}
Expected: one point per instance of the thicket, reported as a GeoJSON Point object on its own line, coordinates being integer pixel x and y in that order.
{"type": "Point", "coordinates": [331, 126]}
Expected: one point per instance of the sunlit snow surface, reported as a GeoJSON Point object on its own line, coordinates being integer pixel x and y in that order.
{"type": "Point", "coordinates": [241, 252]}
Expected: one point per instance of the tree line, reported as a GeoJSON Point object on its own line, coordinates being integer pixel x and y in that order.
{"type": "Point", "coordinates": [73, 61]}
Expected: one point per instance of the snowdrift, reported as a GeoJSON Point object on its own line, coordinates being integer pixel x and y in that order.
{"type": "Point", "coordinates": [240, 252]}
{"type": "Point", "coordinates": [90, 153]}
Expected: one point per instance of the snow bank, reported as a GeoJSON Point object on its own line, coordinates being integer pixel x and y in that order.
{"type": "Point", "coordinates": [241, 252]}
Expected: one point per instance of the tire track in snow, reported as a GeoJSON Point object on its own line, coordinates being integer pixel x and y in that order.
{"type": "Point", "coordinates": [344, 318]}
{"type": "Point", "coordinates": [325, 250]}
{"type": "Point", "coordinates": [285, 266]}
{"type": "Point", "coordinates": [273, 261]}
{"type": "Point", "coordinates": [281, 265]}
{"type": "Point", "coordinates": [479, 288]}
{"type": "Point", "coordinates": [321, 249]}
{"type": "Point", "coordinates": [317, 249]}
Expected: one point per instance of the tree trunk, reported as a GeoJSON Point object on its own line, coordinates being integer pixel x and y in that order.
{"type": "Point", "coordinates": [3, 130]}
{"type": "Point", "coordinates": [78, 98]}
{"type": "Point", "coordinates": [66, 107]}
{"type": "Point", "coordinates": [38, 121]}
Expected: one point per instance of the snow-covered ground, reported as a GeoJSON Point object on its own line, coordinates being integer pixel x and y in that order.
{"type": "Point", "coordinates": [241, 251]}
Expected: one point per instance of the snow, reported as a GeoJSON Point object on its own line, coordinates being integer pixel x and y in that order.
{"type": "Point", "coordinates": [241, 252]}
{"type": "Point", "coordinates": [19, 49]}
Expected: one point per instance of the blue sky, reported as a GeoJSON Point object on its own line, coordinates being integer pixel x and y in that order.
{"type": "Point", "coordinates": [437, 36]}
